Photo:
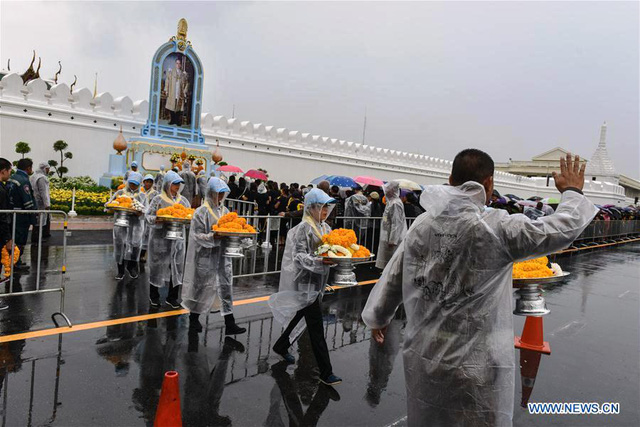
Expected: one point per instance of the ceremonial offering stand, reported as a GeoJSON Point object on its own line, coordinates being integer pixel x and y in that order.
{"type": "Point", "coordinates": [175, 227]}
{"type": "Point", "coordinates": [233, 247]}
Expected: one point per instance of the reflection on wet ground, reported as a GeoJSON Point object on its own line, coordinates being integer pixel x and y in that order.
{"type": "Point", "coordinates": [113, 375]}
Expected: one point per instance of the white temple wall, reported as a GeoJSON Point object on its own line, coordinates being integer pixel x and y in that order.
{"type": "Point", "coordinates": [40, 117]}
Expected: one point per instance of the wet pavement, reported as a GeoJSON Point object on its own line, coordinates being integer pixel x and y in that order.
{"type": "Point", "coordinates": [112, 375]}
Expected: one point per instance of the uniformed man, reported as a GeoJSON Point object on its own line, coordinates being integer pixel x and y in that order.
{"type": "Point", "coordinates": [21, 197]}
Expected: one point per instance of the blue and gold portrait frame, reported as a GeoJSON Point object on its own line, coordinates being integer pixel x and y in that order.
{"type": "Point", "coordinates": [154, 127]}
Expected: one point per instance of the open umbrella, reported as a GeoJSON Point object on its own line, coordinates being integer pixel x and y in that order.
{"type": "Point", "coordinates": [368, 180]}
{"type": "Point", "coordinates": [409, 185]}
{"type": "Point", "coordinates": [341, 181]}
{"type": "Point", "coordinates": [229, 168]}
{"type": "Point", "coordinates": [256, 174]}
{"type": "Point", "coordinates": [319, 179]}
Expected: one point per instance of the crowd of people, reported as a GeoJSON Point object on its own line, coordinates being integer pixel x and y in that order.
{"type": "Point", "coordinates": [23, 190]}
{"type": "Point", "coordinates": [451, 267]}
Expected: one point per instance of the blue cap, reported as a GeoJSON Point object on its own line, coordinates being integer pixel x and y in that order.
{"type": "Point", "coordinates": [317, 196]}
{"type": "Point", "coordinates": [134, 164]}
{"type": "Point", "coordinates": [173, 178]}
{"type": "Point", "coordinates": [134, 178]}
{"type": "Point", "coordinates": [148, 177]}
{"type": "Point", "coordinates": [218, 185]}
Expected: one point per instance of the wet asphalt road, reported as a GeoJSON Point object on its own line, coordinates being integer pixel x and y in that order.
{"type": "Point", "coordinates": [113, 375]}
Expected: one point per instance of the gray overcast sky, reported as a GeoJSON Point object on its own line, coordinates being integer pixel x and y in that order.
{"type": "Point", "coordinates": [512, 78]}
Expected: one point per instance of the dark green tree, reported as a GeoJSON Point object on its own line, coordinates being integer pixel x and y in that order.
{"type": "Point", "coordinates": [59, 168]}
{"type": "Point", "coordinates": [22, 148]}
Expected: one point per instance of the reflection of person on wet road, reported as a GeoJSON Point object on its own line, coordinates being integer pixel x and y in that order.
{"type": "Point", "coordinates": [381, 360]}
{"type": "Point", "coordinates": [127, 241]}
{"type": "Point", "coordinates": [453, 274]}
{"type": "Point", "coordinates": [302, 282]}
{"type": "Point", "coordinates": [166, 257]}
{"type": "Point", "coordinates": [118, 343]}
{"type": "Point", "coordinates": [207, 272]}
{"type": "Point", "coordinates": [204, 388]}
{"type": "Point", "coordinates": [292, 401]}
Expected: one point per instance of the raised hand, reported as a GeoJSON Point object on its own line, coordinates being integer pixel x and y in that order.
{"type": "Point", "coordinates": [571, 174]}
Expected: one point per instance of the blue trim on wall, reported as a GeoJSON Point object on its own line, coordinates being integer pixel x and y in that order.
{"type": "Point", "coordinates": [153, 129]}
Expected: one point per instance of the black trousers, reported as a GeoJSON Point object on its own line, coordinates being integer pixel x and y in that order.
{"type": "Point", "coordinates": [313, 317]}
{"type": "Point", "coordinates": [173, 295]}
{"type": "Point", "coordinates": [46, 231]}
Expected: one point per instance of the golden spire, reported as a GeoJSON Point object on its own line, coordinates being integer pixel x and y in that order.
{"type": "Point", "coordinates": [181, 36]}
{"type": "Point", "coordinates": [182, 29]}
{"type": "Point", "coordinates": [95, 87]}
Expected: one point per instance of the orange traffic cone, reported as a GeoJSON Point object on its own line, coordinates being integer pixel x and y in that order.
{"type": "Point", "coordinates": [169, 413]}
{"type": "Point", "coordinates": [533, 336]}
{"type": "Point", "coordinates": [529, 363]}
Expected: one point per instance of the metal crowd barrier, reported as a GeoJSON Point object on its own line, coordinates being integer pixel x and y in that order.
{"type": "Point", "coordinates": [41, 221]}
{"type": "Point", "coordinates": [263, 253]}
{"type": "Point", "coordinates": [242, 207]}
{"type": "Point", "coordinates": [608, 232]}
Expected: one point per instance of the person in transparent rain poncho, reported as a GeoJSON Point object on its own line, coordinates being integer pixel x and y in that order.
{"type": "Point", "coordinates": [394, 224]}
{"type": "Point", "coordinates": [148, 185]}
{"type": "Point", "coordinates": [134, 169]}
{"type": "Point", "coordinates": [127, 241]}
{"type": "Point", "coordinates": [159, 178]}
{"type": "Point", "coordinates": [165, 256]}
{"type": "Point", "coordinates": [208, 275]}
{"type": "Point", "coordinates": [453, 273]}
{"type": "Point", "coordinates": [201, 185]}
{"type": "Point", "coordinates": [190, 186]}
{"type": "Point", "coordinates": [303, 278]}
{"type": "Point", "coordinates": [357, 206]}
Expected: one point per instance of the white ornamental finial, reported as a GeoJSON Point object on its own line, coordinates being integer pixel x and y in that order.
{"type": "Point", "coordinates": [603, 134]}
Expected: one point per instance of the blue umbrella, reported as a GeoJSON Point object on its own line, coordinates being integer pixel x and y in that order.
{"type": "Point", "coordinates": [318, 179]}
{"type": "Point", "coordinates": [342, 181]}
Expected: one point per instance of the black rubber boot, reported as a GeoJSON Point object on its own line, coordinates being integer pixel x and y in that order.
{"type": "Point", "coordinates": [172, 297]}
{"type": "Point", "coordinates": [120, 273]}
{"type": "Point", "coordinates": [230, 327]}
{"type": "Point", "coordinates": [132, 268]}
{"type": "Point", "coordinates": [154, 296]}
{"type": "Point", "coordinates": [194, 322]}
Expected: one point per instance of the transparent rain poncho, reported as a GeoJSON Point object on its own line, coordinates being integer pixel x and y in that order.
{"type": "Point", "coordinates": [453, 274]}
{"type": "Point", "coordinates": [165, 257]}
{"type": "Point", "coordinates": [356, 206]}
{"type": "Point", "coordinates": [202, 181]}
{"type": "Point", "coordinates": [157, 185]}
{"type": "Point", "coordinates": [394, 224]}
{"type": "Point", "coordinates": [127, 241]}
{"type": "Point", "coordinates": [150, 194]}
{"type": "Point", "coordinates": [303, 275]}
{"type": "Point", "coordinates": [207, 272]}
{"type": "Point", "coordinates": [189, 190]}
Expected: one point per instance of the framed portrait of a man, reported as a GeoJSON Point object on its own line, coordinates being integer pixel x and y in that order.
{"type": "Point", "coordinates": [177, 91]}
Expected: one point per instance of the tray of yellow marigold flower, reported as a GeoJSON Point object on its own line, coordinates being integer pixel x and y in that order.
{"type": "Point", "coordinates": [231, 225]}
{"type": "Point", "coordinates": [177, 214]}
{"type": "Point", "coordinates": [341, 245]}
{"type": "Point", "coordinates": [538, 270]}
{"type": "Point", "coordinates": [125, 204]}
